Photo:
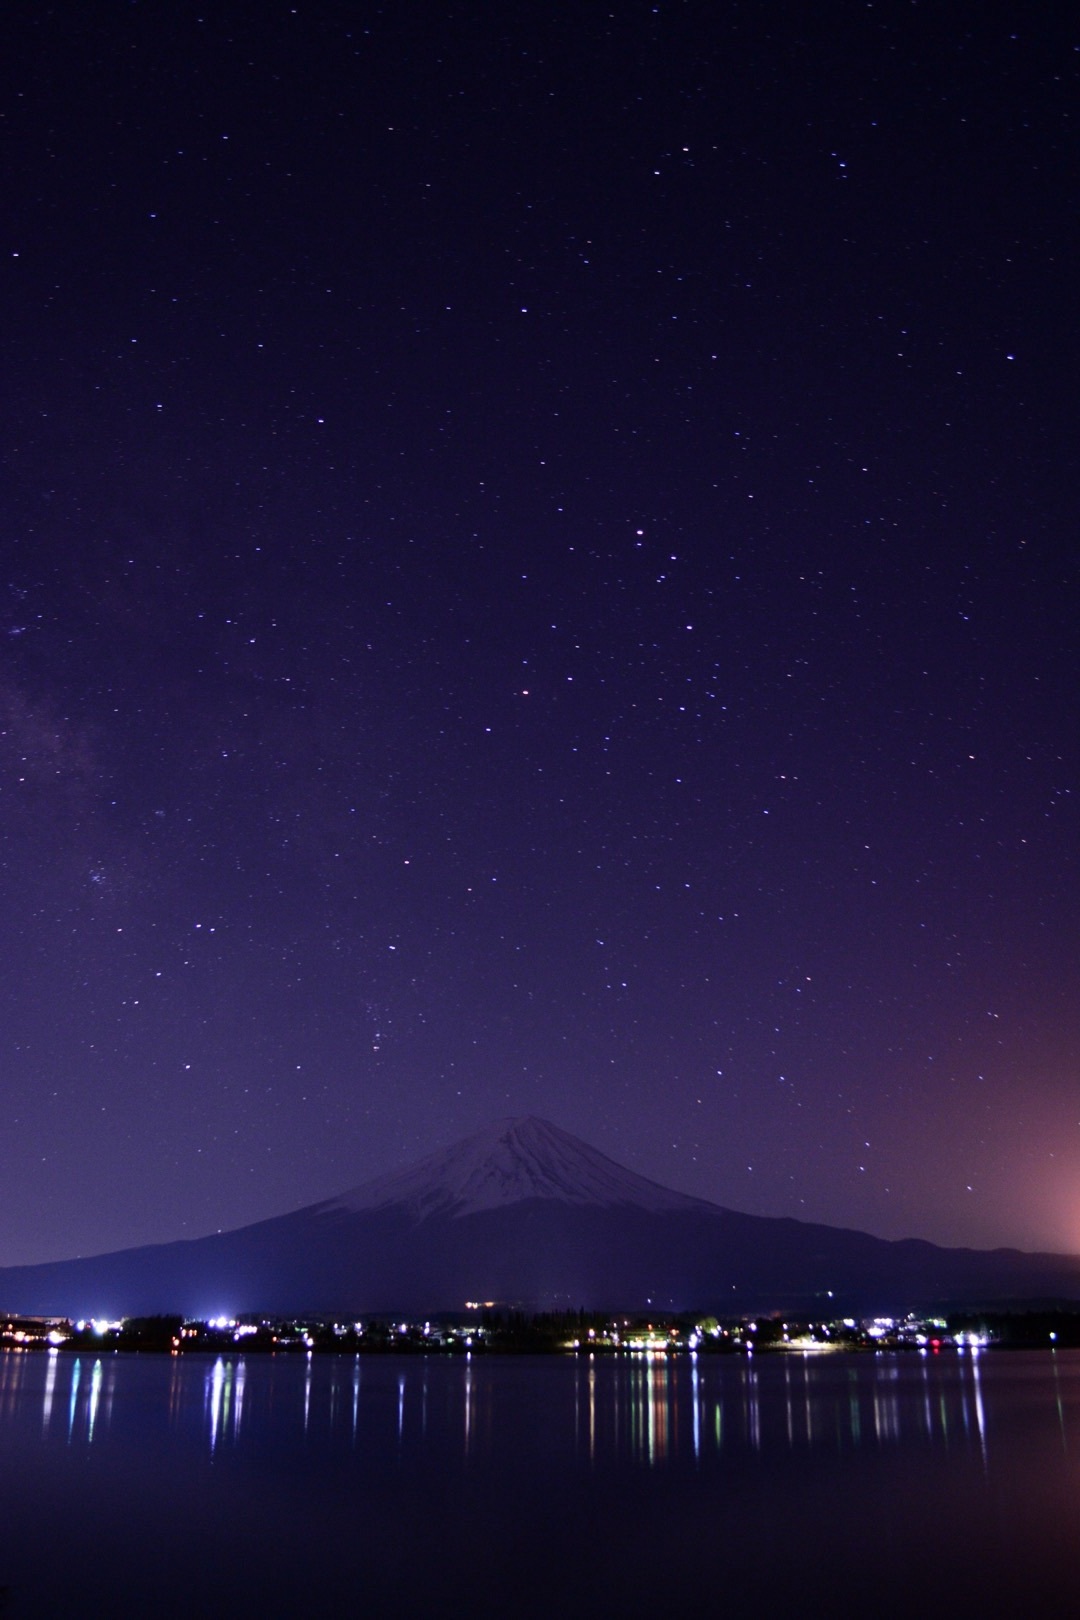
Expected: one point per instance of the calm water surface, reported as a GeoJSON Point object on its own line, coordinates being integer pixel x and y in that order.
{"type": "Point", "coordinates": [921, 1485]}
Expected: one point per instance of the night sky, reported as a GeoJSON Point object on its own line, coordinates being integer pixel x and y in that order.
{"type": "Point", "coordinates": [538, 576]}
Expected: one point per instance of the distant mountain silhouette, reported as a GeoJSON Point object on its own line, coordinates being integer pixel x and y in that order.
{"type": "Point", "coordinates": [527, 1215]}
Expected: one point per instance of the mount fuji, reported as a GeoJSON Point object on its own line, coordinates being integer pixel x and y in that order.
{"type": "Point", "coordinates": [526, 1215]}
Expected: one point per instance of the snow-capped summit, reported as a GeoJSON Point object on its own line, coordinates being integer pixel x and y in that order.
{"type": "Point", "coordinates": [506, 1163]}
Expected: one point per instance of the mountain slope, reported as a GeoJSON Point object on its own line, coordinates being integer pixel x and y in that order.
{"type": "Point", "coordinates": [527, 1215]}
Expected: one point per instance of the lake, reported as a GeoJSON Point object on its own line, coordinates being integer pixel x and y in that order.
{"type": "Point", "coordinates": [914, 1484]}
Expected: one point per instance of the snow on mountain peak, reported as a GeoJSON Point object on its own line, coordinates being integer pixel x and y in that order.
{"type": "Point", "coordinates": [507, 1162]}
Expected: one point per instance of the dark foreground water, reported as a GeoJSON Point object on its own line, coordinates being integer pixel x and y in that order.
{"type": "Point", "coordinates": [937, 1485]}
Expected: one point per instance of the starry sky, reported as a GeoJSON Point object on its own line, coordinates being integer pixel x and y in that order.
{"type": "Point", "coordinates": [538, 576]}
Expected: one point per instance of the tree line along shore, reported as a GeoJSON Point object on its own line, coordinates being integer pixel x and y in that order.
{"type": "Point", "coordinates": [494, 1331]}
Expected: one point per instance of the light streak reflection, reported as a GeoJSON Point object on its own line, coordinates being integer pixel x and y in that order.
{"type": "Point", "coordinates": [50, 1386]}
{"type": "Point", "coordinates": [592, 1409]}
{"type": "Point", "coordinates": [649, 1406]}
{"type": "Point", "coordinates": [980, 1414]}
{"type": "Point", "coordinates": [695, 1396]}
{"type": "Point", "coordinates": [76, 1373]}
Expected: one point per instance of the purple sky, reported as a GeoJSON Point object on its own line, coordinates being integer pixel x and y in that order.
{"type": "Point", "coordinates": [539, 560]}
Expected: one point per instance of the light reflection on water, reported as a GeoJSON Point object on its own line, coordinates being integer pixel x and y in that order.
{"type": "Point", "coordinates": [320, 1472]}
{"type": "Point", "coordinates": [647, 1408]}
{"type": "Point", "coordinates": [225, 1399]}
{"type": "Point", "coordinates": [90, 1394]}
